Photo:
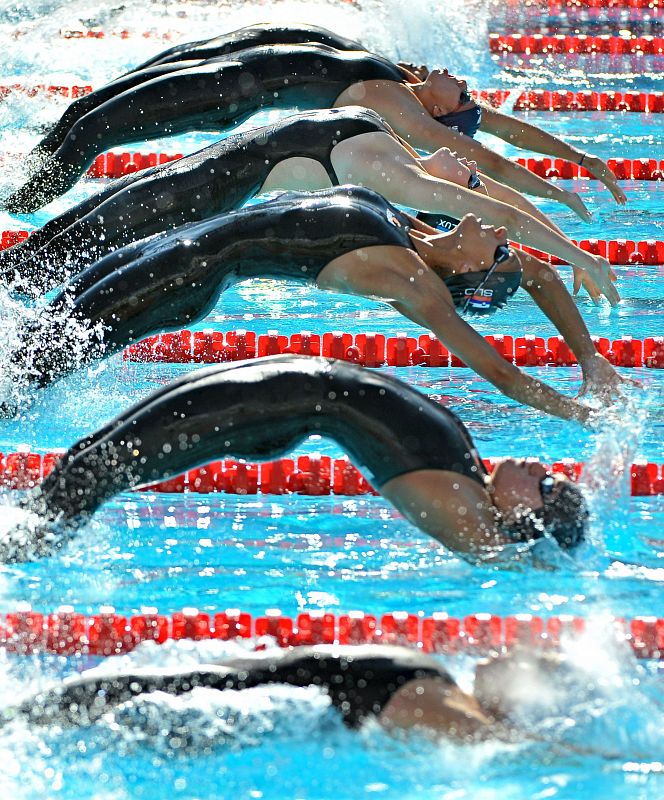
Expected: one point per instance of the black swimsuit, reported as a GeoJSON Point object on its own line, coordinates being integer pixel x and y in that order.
{"type": "Point", "coordinates": [360, 681]}
{"type": "Point", "coordinates": [259, 410]}
{"type": "Point", "coordinates": [252, 36]}
{"type": "Point", "coordinates": [218, 178]}
{"type": "Point", "coordinates": [173, 279]}
{"type": "Point", "coordinates": [215, 95]}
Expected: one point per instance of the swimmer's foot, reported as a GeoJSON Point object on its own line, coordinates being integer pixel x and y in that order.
{"type": "Point", "coordinates": [24, 536]}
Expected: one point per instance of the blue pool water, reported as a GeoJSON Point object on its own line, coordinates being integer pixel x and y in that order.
{"type": "Point", "coordinates": [299, 553]}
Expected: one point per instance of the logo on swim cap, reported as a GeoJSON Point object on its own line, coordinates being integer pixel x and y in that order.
{"type": "Point", "coordinates": [479, 300]}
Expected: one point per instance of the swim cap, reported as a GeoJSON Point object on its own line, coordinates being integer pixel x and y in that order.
{"type": "Point", "coordinates": [564, 517]}
{"type": "Point", "coordinates": [467, 121]}
{"type": "Point", "coordinates": [484, 291]}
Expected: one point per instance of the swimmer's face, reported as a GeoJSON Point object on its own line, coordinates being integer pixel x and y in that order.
{"type": "Point", "coordinates": [513, 683]}
{"type": "Point", "coordinates": [517, 482]}
{"type": "Point", "coordinates": [448, 93]}
{"type": "Point", "coordinates": [449, 166]}
{"type": "Point", "coordinates": [477, 244]}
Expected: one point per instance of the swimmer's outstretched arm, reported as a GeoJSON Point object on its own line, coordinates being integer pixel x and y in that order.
{"type": "Point", "coordinates": [531, 137]}
{"type": "Point", "coordinates": [546, 288]}
{"type": "Point", "coordinates": [410, 185]}
{"type": "Point", "coordinates": [411, 120]}
{"type": "Point", "coordinates": [419, 294]}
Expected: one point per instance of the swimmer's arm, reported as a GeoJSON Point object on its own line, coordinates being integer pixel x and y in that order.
{"type": "Point", "coordinates": [546, 288]}
{"type": "Point", "coordinates": [404, 181]}
{"type": "Point", "coordinates": [500, 191]}
{"type": "Point", "coordinates": [530, 137]}
{"type": "Point", "coordinates": [438, 708]}
{"type": "Point", "coordinates": [427, 301]}
{"type": "Point", "coordinates": [404, 112]}
{"type": "Point", "coordinates": [452, 508]}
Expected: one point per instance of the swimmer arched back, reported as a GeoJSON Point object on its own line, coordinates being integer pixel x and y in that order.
{"type": "Point", "coordinates": [190, 55]}
{"type": "Point", "coordinates": [218, 178]}
{"type": "Point", "coordinates": [347, 239]}
{"type": "Point", "coordinates": [215, 95]}
{"type": "Point", "coordinates": [258, 410]}
{"type": "Point", "coordinates": [416, 452]}
{"type": "Point", "coordinates": [258, 35]}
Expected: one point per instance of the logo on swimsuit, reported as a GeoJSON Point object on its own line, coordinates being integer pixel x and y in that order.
{"type": "Point", "coordinates": [479, 299]}
{"type": "Point", "coordinates": [392, 219]}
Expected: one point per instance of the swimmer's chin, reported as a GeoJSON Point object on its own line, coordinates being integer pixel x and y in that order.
{"type": "Point", "coordinates": [25, 536]}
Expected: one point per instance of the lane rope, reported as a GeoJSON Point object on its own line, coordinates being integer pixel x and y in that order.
{"type": "Point", "coordinates": [67, 632]}
{"type": "Point", "coordinates": [563, 44]}
{"type": "Point", "coordinates": [208, 346]}
{"type": "Point", "coordinates": [312, 475]}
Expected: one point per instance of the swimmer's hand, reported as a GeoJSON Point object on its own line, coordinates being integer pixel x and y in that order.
{"type": "Point", "coordinates": [24, 536]}
{"type": "Point", "coordinates": [598, 282]}
{"type": "Point", "coordinates": [601, 380]}
{"type": "Point", "coordinates": [601, 171]}
{"type": "Point", "coordinates": [576, 204]}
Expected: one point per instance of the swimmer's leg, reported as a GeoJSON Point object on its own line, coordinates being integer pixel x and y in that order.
{"type": "Point", "coordinates": [187, 99]}
{"type": "Point", "coordinates": [126, 295]}
{"type": "Point", "coordinates": [205, 415]}
{"type": "Point", "coordinates": [84, 699]}
{"type": "Point", "coordinates": [23, 264]}
{"type": "Point", "coordinates": [83, 105]}
{"type": "Point", "coordinates": [156, 203]}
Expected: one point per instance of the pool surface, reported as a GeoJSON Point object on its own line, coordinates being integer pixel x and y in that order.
{"type": "Point", "coordinates": [299, 553]}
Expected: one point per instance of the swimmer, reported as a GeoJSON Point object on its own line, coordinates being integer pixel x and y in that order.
{"type": "Point", "coordinates": [348, 240]}
{"type": "Point", "coordinates": [222, 92]}
{"type": "Point", "coordinates": [401, 688]}
{"type": "Point", "coordinates": [516, 132]}
{"type": "Point", "coordinates": [414, 451]}
{"type": "Point", "coordinates": [306, 151]}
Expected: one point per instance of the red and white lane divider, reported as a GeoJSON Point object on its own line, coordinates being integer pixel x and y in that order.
{"type": "Point", "coordinates": [378, 350]}
{"type": "Point", "coordinates": [620, 252]}
{"type": "Point", "coordinates": [587, 4]}
{"type": "Point", "coordinates": [568, 100]}
{"type": "Point", "coordinates": [580, 44]}
{"type": "Point", "coordinates": [639, 169]}
{"type": "Point", "coordinates": [67, 632]}
{"type": "Point", "coordinates": [313, 475]}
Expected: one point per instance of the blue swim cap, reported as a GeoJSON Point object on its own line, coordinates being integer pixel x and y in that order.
{"type": "Point", "coordinates": [484, 291]}
{"type": "Point", "coordinates": [467, 121]}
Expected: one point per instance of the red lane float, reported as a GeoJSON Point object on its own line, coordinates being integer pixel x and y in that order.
{"type": "Point", "coordinates": [377, 350]}
{"type": "Point", "coordinates": [581, 44]}
{"type": "Point", "coordinates": [565, 100]}
{"type": "Point", "coordinates": [620, 252]}
{"type": "Point", "coordinates": [71, 91]}
{"type": "Point", "coordinates": [312, 475]}
{"type": "Point", "coordinates": [638, 169]}
{"type": "Point", "coordinates": [67, 632]}
{"type": "Point", "coordinates": [119, 33]}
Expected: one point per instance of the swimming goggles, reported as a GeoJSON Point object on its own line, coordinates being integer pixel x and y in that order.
{"type": "Point", "coordinates": [474, 181]}
{"type": "Point", "coordinates": [500, 256]}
